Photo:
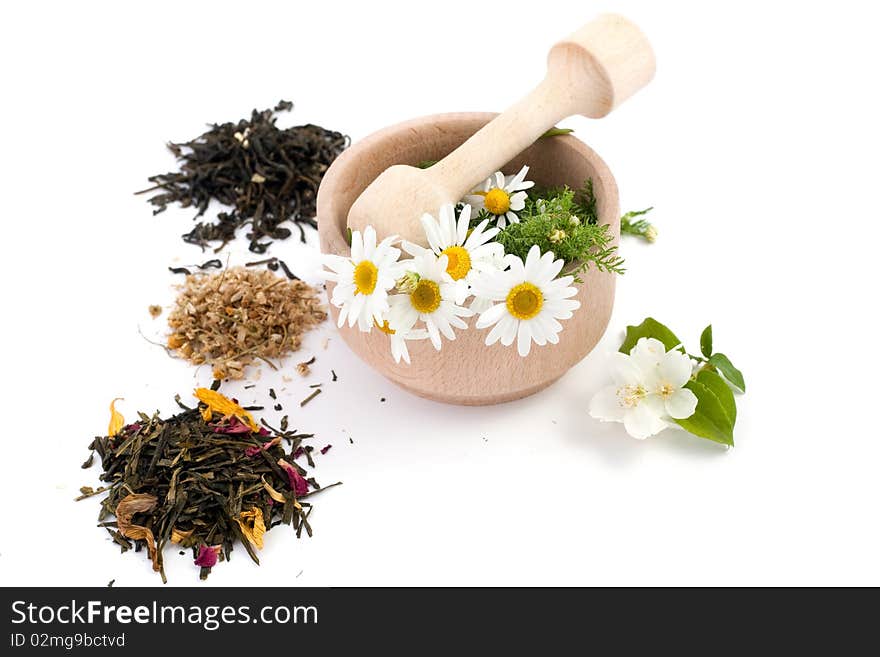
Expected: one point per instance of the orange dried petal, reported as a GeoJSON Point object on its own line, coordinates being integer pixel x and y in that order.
{"type": "Point", "coordinates": [252, 526]}
{"type": "Point", "coordinates": [218, 403]}
{"type": "Point", "coordinates": [116, 419]}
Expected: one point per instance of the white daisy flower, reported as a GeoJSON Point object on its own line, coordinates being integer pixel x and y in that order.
{"type": "Point", "coordinates": [428, 294]}
{"type": "Point", "coordinates": [468, 252]}
{"type": "Point", "coordinates": [502, 196]}
{"type": "Point", "coordinates": [363, 280]}
{"type": "Point", "coordinates": [532, 300]}
{"type": "Point", "coordinates": [399, 339]}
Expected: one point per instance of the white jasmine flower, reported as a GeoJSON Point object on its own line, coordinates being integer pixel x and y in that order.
{"type": "Point", "coordinates": [430, 297]}
{"type": "Point", "coordinates": [363, 280]}
{"type": "Point", "coordinates": [502, 196]}
{"type": "Point", "coordinates": [574, 220]}
{"type": "Point", "coordinates": [399, 339]}
{"type": "Point", "coordinates": [532, 300]}
{"type": "Point", "coordinates": [648, 391]}
{"type": "Point", "coordinates": [468, 252]}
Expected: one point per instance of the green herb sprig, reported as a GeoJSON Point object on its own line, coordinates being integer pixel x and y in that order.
{"type": "Point", "coordinates": [630, 225]}
{"type": "Point", "coordinates": [565, 222]}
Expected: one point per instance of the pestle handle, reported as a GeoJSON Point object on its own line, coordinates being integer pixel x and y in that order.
{"type": "Point", "coordinates": [590, 72]}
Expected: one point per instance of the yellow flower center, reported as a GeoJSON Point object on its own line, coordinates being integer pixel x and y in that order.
{"type": "Point", "coordinates": [497, 201]}
{"type": "Point", "coordinates": [459, 262]}
{"type": "Point", "coordinates": [365, 277]}
{"type": "Point", "coordinates": [525, 301]}
{"type": "Point", "coordinates": [665, 390]}
{"type": "Point", "coordinates": [387, 330]}
{"type": "Point", "coordinates": [426, 296]}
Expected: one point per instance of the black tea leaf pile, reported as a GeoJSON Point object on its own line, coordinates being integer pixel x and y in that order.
{"type": "Point", "coordinates": [266, 175]}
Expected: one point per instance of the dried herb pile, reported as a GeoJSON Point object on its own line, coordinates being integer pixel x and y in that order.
{"type": "Point", "coordinates": [202, 479]}
{"type": "Point", "coordinates": [231, 318]}
{"type": "Point", "coordinates": [267, 175]}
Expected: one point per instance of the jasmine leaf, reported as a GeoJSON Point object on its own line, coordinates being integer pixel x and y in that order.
{"type": "Point", "coordinates": [552, 132]}
{"type": "Point", "coordinates": [722, 364]}
{"type": "Point", "coordinates": [706, 341]}
{"type": "Point", "coordinates": [718, 386]}
{"type": "Point", "coordinates": [650, 328]}
{"type": "Point", "coordinates": [709, 421]}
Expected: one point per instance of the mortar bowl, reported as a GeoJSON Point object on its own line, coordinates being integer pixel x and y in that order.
{"type": "Point", "coordinates": [466, 371]}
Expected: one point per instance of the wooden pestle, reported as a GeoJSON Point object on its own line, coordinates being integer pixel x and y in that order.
{"type": "Point", "coordinates": [591, 72]}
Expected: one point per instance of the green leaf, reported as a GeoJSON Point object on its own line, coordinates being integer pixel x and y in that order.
{"type": "Point", "coordinates": [718, 386]}
{"type": "Point", "coordinates": [722, 364]}
{"type": "Point", "coordinates": [706, 341]}
{"type": "Point", "coordinates": [709, 420]}
{"type": "Point", "coordinates": [650, 328]}
{"type": "Point", "coordinates": [426, 164]}
{"type": "Point", "coordinates": [348, 236]}
{"type": "Point", "coordinates": [552, 132]}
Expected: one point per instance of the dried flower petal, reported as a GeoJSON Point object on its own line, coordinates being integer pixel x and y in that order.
{"type": "Point", "coordinates": [179, 536]}
{"type": "Point", "coordinates": [116, 419]}
{"type": "Point", "coordinates": [274, 494]}
{"type": "Point", "coordinates": [218, 403]}
{"type": "Point", "coordinates": [252, 526]}
{"type": "Point", "coordinates": [298, 483]}
{"type": "Point", "coordinates": [125, 510]}
{"type": "Point", "coordinates": [207, 557]}
{"type": "Point", "coordinates": [232, 426]}
{"type": "Point", "coordinates": [253, 451]}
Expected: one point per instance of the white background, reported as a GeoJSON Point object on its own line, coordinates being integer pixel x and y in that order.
{"type": "Point", "coordinates": [757, 143]}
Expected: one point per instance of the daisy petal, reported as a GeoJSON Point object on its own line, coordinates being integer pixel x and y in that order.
{"type": "Point", "coordinates": [524, 339]}
{"type": "Point", "coordinates": [491, 316]}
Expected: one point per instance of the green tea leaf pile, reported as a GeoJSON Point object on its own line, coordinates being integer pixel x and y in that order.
{"type": "Point", "coordinates": [203, 479]}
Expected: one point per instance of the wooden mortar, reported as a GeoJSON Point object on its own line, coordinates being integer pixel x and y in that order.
{"type": "Point", "coordinates": [466, 371]}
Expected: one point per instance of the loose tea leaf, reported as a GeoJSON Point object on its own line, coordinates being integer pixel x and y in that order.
{"type": "Point", "coordinates": [266, 174]}
{"type": "Point", "coordinates": [202, 479]}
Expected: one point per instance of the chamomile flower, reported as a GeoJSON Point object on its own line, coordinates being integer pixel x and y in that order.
{"type": "Point", "coordinates": [363, 280]}
{"type": "Point", "coordinates": [529, 301]}
{"type": "Point", "coordinates": [399, 339]}
{"type": "Point", "coordinates": [428, 294]}
{"type": "Point", "coordinates": [467, 252]}
{"type": "Point", "coordinates": [502, 196]}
